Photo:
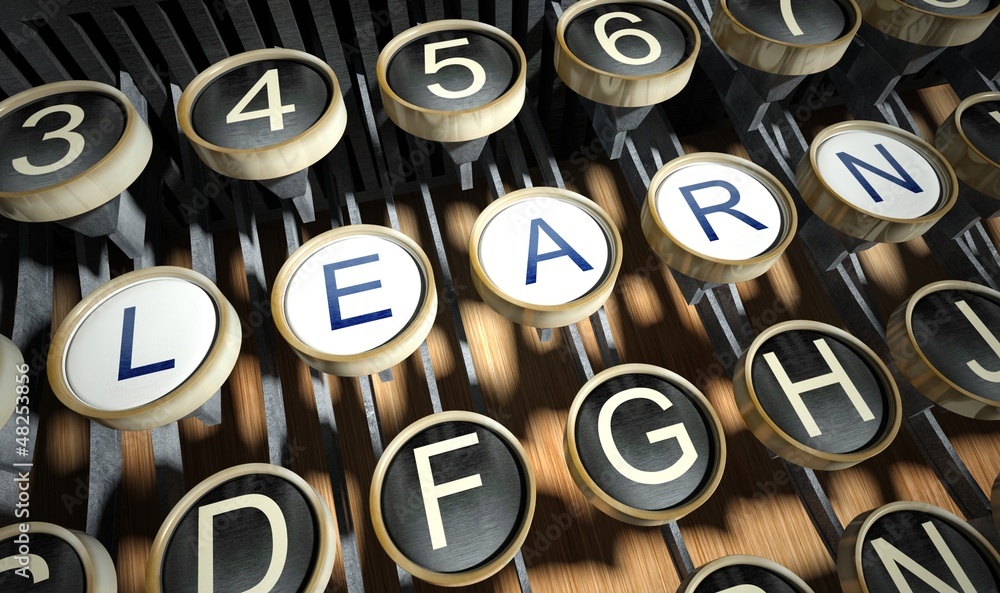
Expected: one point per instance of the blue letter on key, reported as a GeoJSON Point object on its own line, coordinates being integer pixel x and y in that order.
{"type": "Point", "coordinates": [333, 293]}
{"type": "Point", "coordinates": [564, 251]}
{"type": "Point", "coordinates": [728, 207]}
{"type": "Point", "coordinates": [904, 180]}
{"type": "Point", "coordinates": [125, 370]}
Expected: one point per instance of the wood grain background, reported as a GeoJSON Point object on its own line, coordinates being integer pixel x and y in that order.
{"type": "Point", "coordinates": [529, 386]}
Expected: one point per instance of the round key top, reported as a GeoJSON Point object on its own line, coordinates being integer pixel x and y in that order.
{"type": "Point", "coordinates": [911, 546]}
{"type": "Point", "coordinates": [146, 349]}
{"type": "Point", "coordinates": [743, 574]}
{"type": "Point", "coordinates": [946, 340]}
{"type": "Point", "coordinates": [452, 498]}
{"type": "Point", "coordinates": [38, 557]}
{"type": "Point", "coordinates": [970, 140]}
{"type": "Point", "coordinates": [816, 395]}
{"type": "Point", "coordinates": [452, 80]}
{"type": "Point", "coordinates": [876, 182]}
{"type": "Point", "coordinates": [718, 218]}
{"type": "Point", "coordinates": [356, 300]}
{"type": "Point", "coordinates": [253, 527]}
{"type": "Point", "coordinates": [263, 114]}
{"type": "Point", "coordinates": [12, 367]}
{"type": "Point", "coordinates": [644, 445]}
{"type": "Point", "coordinates": [68, 147]}
{"type": "Point", "coordinates": [786, 37]}
{"type": "Point", "coordinates": [935, 23]}
{"type": "Point", "coordinates": [626, 54]}
{"type": "Point", "coordinates": [544, 257]}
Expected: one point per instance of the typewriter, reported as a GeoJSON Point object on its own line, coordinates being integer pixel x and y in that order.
{"type": "Point", "coordinates": [695, 296]}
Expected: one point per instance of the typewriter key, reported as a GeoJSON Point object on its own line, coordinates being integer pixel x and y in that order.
{"type": "Point", "coordinates": [146, 349]}
{"type": "Point", "coordinates": [626, 54]}
{"type": "Point", "coordinates": [452, 80]}
{"type": "Point", "coordinates": [718, 218]}
{"type": "Point", "coordinates": [876, 182]}
{"type": "Point", "coordinates": [911, 546]}
{"type": "Point", "coordinates": [783, 37]}
{"type": "Point", "coordinates": [11, 363]}
{"type": "Point", "coordinates": [995, 503]}
{"type": "Point", "coordinates": [935, 23]}
{"type": "Point", "coordinates": [816, 395]}
{"type": "Point", "coordinates": [41, 557]}
{"type": "Point", "coordinates": [545, 257]}
{"type": "Point", "coordinates": [452, 498]}
{"type": "Point", "coordinates": [253, 527]}
{"type": "Point", "coordinates": [356, 300]}
{"type": "Point", "coordinates": [68, 148]}
{"type": "Point", "coordinates": [743, 574]}
{"type": "Point", "coordinates": [263, 114]}
{"type": "Point", "coordinates": [945, 340]}
{"type": "Point", "coordinates": [644, 445]}
{"type": "Point", "coordinates": [970, 140]}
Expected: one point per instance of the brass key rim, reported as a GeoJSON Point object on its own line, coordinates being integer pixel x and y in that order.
{"type": "Point", "coordinates": [502, 557]}
{"type": "Point", "coordinates": [96, 186]}
{"type": "Point", "coordinates": [691, 583]}
{"type": "Point", "coordinates": [275, 160]}
{"type": "Point", "coordinates": [800, 59]}
{"type": "Point", "coordinates": [624, 90]}
{"type": "Point", "coordinates": [913, 362]}
{"type": "Point", "coordinates": [326, 550]}
{"type": "Point", "coordinates": [607, 503]}
{"type": "Point", "coordinates": [12, 359]}
{"type": "Point", "coordinates": [98, 568]}
{"type": "Point", "coordinates": [774, 438]}
{"type": "Point", "coordinates": [971, 165]}
{"type": "Point", "coordinates": [919, 26]}
{"type": "Point", "coordinates": [192, 393]}
{"type": "Point", "coordinates": [850, 569]}
{"type": "Point", "coordinates": [704, 267]}
{"type": "Point", "coordinates": [378, 359]}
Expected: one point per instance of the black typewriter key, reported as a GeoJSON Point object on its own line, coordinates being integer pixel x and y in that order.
{"type": "Point", "coordinates": [644, 445]}
{"type": "Point", "coordinates": [253, 527]}
{"type": "Point", "coordinates": [932, 23]}
{"type": "Point", "coordinates": [38, 557]}
{"type": "Point", "coordinates": [625, 54]}
{"type": "Point", "coordinates": [970, 140]}
{"type": "Point", "coordinates": [452, 498]}
{"type": "Point", "coordinates": [743, 574]}
{"type": "Point", "coordinates": [68, 148]}
{"type": "Point", "coordinates": [912, 547]}
{"type": "Point", "coordinates": [263, 114]}
{"type": "Point", "coordinates": [785, 37]}
{"type": "Point", "coordinates": [945, 340]}
{"type": "Point", "coordinates": [816, 395]}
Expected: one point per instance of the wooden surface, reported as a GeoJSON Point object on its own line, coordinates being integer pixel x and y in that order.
{"type": "Point", "coordinates": [529, 386]}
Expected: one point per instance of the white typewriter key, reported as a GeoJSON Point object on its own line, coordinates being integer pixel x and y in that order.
{"type": "Point", "coordinates": [452, 498]}
{"type": "Point", "coordinates": [38, 557]}
{"type": "Point", "coordinates": [718, 218]}
{"type": "Point", "coordinates": [946, 340]}
{"type": "Point", "coordinates": [970, 140]}
{"type": "Point", "coordinates": [263, 114]}
{"type": "Point", "coordinates": [743, 574]}
{"type": "Point", "coordinates": [784, 37]}
{"type": "Point", "coordinates": [876, 182]}
{"type": "Point", "coordinates": [11, 367]}
{"type": "Point", "coordinates": [644, 445]}
{"type": "Point", "coordinates": [146, 349]}
{"type": "Point", "coordinates": [68, 147]}
{"type": "Point", "coordinates": [253, 527]}
{"type": "Point", "coordinates": [544, 257]}
{"type": "Point", "coordinates": [934, 23]}
{"type": "Point", "coordinates": [356, 300]}
{"type": "Point", "coordinates": [626, 53]}
{"type": "Point", "coordinates": [816, 395]}
{"type": "Point", "coordinates": [452, 80]}
{"type": "Point", "coordinates": [904, 547]}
